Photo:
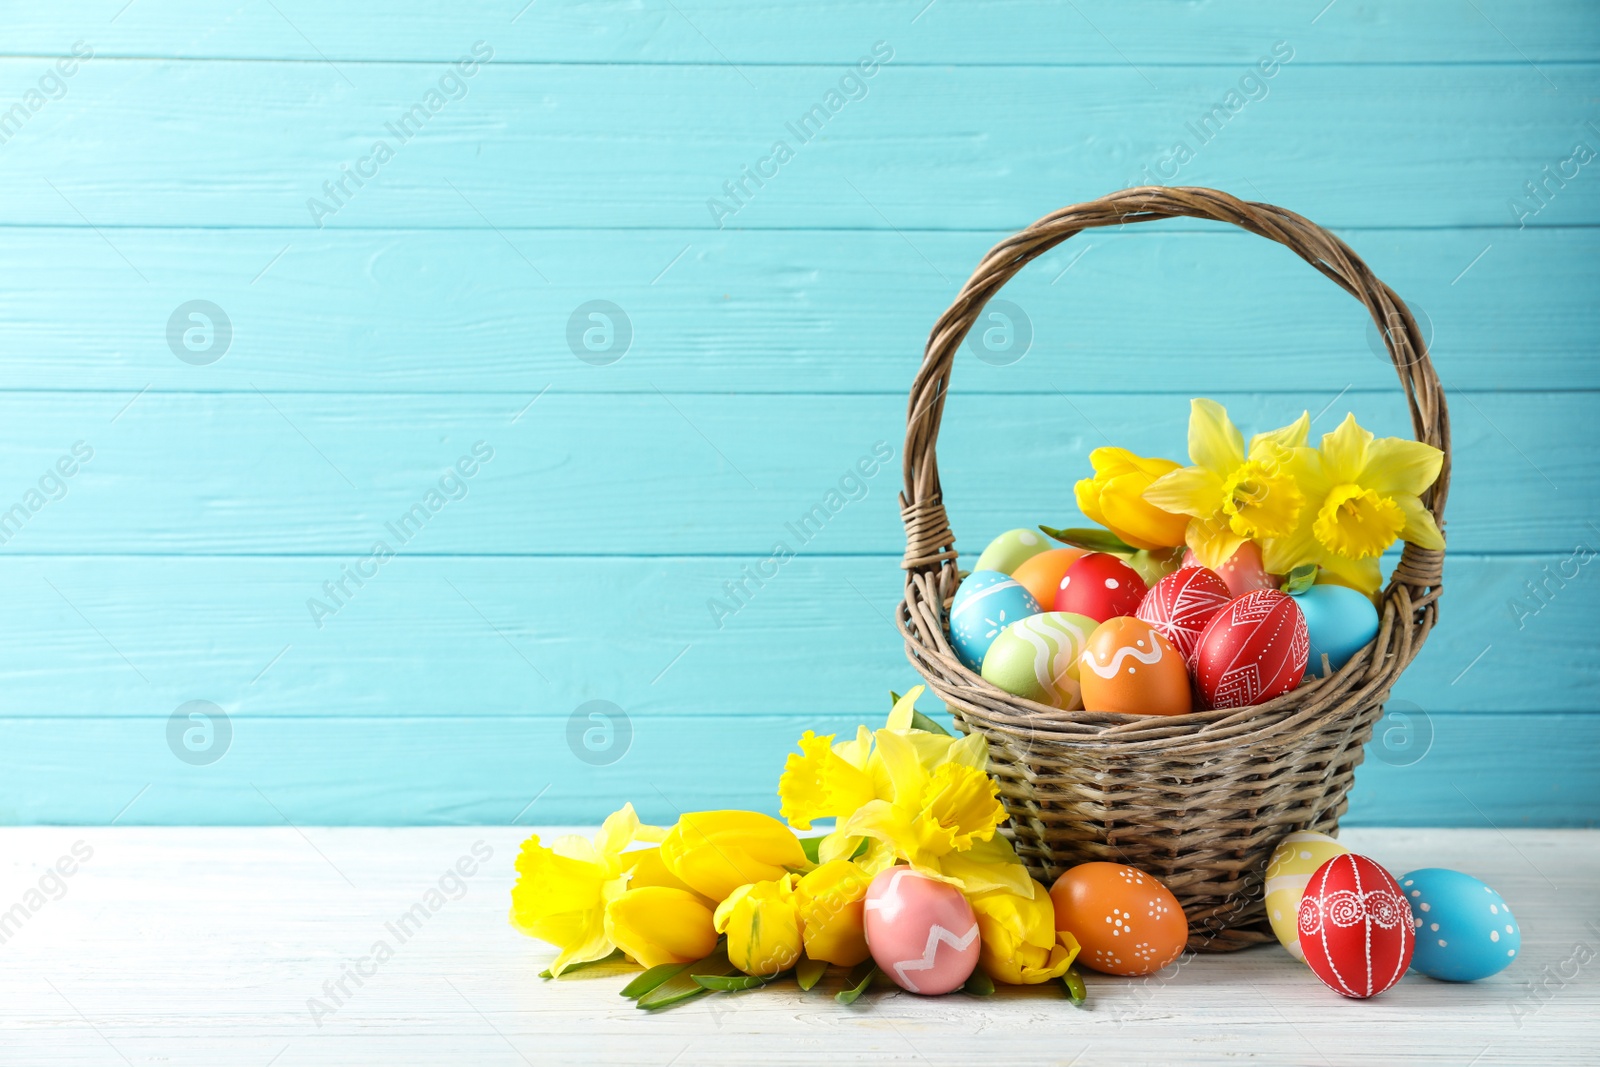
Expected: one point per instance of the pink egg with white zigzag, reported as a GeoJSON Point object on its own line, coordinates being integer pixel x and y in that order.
{"type": "Point", "coordinates": [921, 931]}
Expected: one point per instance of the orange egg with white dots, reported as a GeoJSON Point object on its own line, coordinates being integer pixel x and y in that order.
{"type": "Point", "coordinates": [1126, 922]}
{"type": "Point", "coordinates": [1127, 666]}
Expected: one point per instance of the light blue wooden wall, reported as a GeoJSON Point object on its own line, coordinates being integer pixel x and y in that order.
{"type": "Point", "coordinates": [375, 344]}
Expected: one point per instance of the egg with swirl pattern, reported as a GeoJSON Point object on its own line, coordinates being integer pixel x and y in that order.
{"type": "Point", "coordinates": [1128, 667]}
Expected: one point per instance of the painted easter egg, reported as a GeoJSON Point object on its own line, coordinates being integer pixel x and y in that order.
{"type": "Point", "coordinates": [1293, 862]}
{"type": "Point", "coordinates": [1100, 586]}
{"type": "Point", "coordinates": [1126, 921]}
{"type": "Point", "coordinates": [921, 931]}
{"type": "Point", "coordinates": [1010, 549]}
{"type": "Point", "coordinates": [1355, 927]}
{"type": "Point", "coordinates": [1128, 667]}
{"type": "Point", "coordinates": [1037, 658]}
{"type": "Point", "coordinates": [1339, 623]}
{"type": "Point", "coordinates": [986, 603]}
{"type": "Point", "coordinates": [1252, 650]}
{"type": "Point", "coordinates": [1041, 575]}
{"type": "Point", "coordinates": [1180, 605]}
{"type": "Point", "coordinates": [1243, 571]}
{"type": "Point", "coordinates": [1464, 929]}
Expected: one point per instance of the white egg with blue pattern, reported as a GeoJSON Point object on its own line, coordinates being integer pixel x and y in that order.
{"type": "Point", "coordinates": [1464, 928]}
{"type": "Point", "coordinates": [986, 603]}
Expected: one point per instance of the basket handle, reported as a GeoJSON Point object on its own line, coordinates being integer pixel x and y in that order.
{"type": "Point", "coordinates": [930, 544]}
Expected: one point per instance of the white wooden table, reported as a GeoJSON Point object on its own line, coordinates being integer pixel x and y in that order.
{"type": "Point", "coordinates": [203, 946]}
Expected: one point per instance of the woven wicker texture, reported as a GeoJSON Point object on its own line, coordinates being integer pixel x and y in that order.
{"type": "Point", "coordinates": [1198, 800]}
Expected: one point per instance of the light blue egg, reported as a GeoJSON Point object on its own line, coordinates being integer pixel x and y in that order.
{"type": "Point", "coordinates": [986, 603]}
{"type": "Point", "coordinates": [1339, 621]}
{"type": "Point", "coordinates": [1464, 929]}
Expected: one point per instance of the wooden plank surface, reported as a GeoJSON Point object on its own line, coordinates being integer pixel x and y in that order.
{"type": "Point", "coordinates": [652, 474]}
{"type": "Point", "coordinates": [202, 946]}
{"type": "Point", "coordinates": [1425, 767]}
{"type": "Point", "coordinates": [361, 311]}
{"type": "Point", "coordinates": [434, 636]}
{"type": "Point", "coordinates": [712, 31]}
{"type": "Point", "coordinates": [918, 149]}
{"type": "Point", "coordinates": [373, 346]}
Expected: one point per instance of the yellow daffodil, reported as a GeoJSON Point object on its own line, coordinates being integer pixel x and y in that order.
{"type": "Point", "coordinates": [1362, 494]}
{"type": "Point", "coordinates": [1021, 944]}
{"type": "Point", "coordinates": [826, 780]}
{"type": "Point", "coordinates": [1233, 494]}
{"type": "Point", "coordinates": [830, 901]}
{"type": "Point", "coordinates": [716, 852]}
{"type": "Point", "coordinates": [762, 921]}
{"type": "Point", "coordinates": [656, 925]}
{"type": "Point", "coordinates": [1115, 499]}
{"type": "Point", "coordinates": [563, 889]}
{"type": "Point", "coordinates": [941, 819]}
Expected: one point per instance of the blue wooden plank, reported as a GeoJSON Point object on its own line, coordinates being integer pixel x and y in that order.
{"type": "Point", "coordinates": [593, 474]}
{"type": "Point", "coordinates": [263, 143]}
{"type": "Point", "coordinates": [795, 311]}
{"type": "Point", "coordinates": [425, 636]}
{"type": "Point", "coordinates": [1534, 770]}
{"type": "Point", "coordinates": [1101, 32]}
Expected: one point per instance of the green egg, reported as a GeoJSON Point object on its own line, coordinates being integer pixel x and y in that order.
{"type": "Point", "coordinates": [1006, 552]}
{"type": "Point", "coordinates": [1037, 658]}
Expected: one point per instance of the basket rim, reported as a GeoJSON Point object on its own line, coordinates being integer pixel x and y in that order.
{"type": "Point", "coordinates": [1409, 604]}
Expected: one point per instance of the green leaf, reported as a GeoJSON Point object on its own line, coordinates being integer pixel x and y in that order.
{"type": "Point", "coordinates": [1092, 538]}
{"type": "Point", "coordinates": [894, 698]}
{"type": "Point", "coordinates": [732, 983]}
{"type": "Point", "coordinates": [683, 986]}
{"type": "Point", "coordinates": [979, 985]}
{"type": "Point", "coordinates": [1300, 579]}
{"type": "Point", "coordinates": [614, 955]}
{"type": "Point", "coordinates": [1075, 987]}
{"type": "Point", "coordinates": [849, 996]}
{"type": "Point", "coordinates": [921, 722]}
{"type": "Point", "coordinates": [652, 978]}
{"type": "Point", "coordinates": [808, 972]}
{"type": "Point", "coordinates": [810, 846]}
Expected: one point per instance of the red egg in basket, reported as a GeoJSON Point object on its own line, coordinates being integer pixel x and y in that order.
{"type": "Point", "coordinates": [1100, 586]}
{"type": "Point", "coordinates": [1252, 650]}
{"type": "Point", "coordinates": [1180, 605]}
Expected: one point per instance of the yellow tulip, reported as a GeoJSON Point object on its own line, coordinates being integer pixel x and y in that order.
{"type": "Point", "coordinates": [716, 852]}
{"type": "Point", "coordinates": [1115, 499]}
{"type": "Point", "coordinates": [762, 921]}
{"type": "Point", "coordinates": [830, 901]}
{"type": "Point", "coordinates": [1020, 942]}
{"type": "Point", "coordinates": [1362, 494]}
{"type": "Point", "coordinates": [656, 924]}
{"type": "Point", "coordinates": [1231, 494]}
{"type": "Point", "coordinates": [645, 868]}
{"type": "Point", "coordinates": [563, 889]}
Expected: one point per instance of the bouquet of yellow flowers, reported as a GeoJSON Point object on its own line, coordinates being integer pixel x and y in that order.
{"type": "Point", "coordinates": [1326, 512]}
{"type": "Point", "coordinates": [731, 900]}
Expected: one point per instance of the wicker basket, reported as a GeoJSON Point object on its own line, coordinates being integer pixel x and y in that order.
{"type": "Point", "coordinates": [1198, 800]}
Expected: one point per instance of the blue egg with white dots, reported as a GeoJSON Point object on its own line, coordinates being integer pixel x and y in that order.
{"type": "Point", "coordinates": [986, 603]}
{"type": "Point", "coordinates": [1464, 929]}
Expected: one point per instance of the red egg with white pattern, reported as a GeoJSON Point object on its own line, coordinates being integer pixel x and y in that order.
{"type": "Point", "coordinates": [922, 932]}
{"type": "Point", "coordinates": [1180, 605]}
{"type": "Point", "coordinates": [1251, 651]}
{"type": "Point", "coordinates": [1243, 571]}
{"type": "Point", "coordinates": [1100, 586]}
{"type": "Point", "coordinates": [1356, 927]}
